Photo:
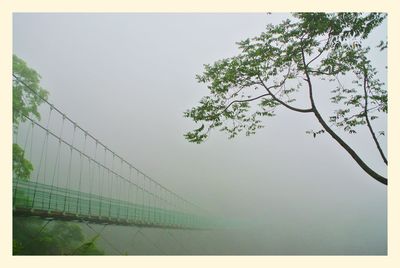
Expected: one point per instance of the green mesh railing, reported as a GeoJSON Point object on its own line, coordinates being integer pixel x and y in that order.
{"type": "Point", "coordinates": [50, 201]}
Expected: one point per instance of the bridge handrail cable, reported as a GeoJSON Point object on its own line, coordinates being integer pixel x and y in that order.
{"type": "Point", "coordinates": [102, 144]}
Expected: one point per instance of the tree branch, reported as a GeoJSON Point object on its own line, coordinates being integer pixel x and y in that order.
{"type": "Point", "coordinates": [369, 123]}
{"type": "Point", "coordinates": [247, 100]}
{"type": "Point", "coordinates": [341, 142]}
{"type": "Point", "coordinates": [280, 101]}
{"type": "Point", "coordinates": [320, 72]}
{"type": "Point", "coordinates": [323, 49]}
{"type": "Point", "coordinates": [360, 114]}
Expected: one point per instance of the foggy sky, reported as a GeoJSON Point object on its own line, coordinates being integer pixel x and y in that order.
{"type": "Point", "coordinates": [128, 78]}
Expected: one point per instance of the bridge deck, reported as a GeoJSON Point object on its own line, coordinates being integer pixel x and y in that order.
{"type": "Point", "coordinates": [37, 199]}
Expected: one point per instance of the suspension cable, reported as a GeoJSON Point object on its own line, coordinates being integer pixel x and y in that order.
{"type": "Point", "coordinates": [91, 136]}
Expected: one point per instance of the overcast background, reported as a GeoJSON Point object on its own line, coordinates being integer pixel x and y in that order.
{"type": "Point", "coordinates": [128, 78]}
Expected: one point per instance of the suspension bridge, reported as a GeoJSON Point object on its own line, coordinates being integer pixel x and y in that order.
{"type": "Point", "coordinates": [77, 177]}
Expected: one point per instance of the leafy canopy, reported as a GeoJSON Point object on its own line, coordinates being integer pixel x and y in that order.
{"type": "Point", "coordinates": [25, 104]}
{"type": "Point", "coordinates": [273, 68]}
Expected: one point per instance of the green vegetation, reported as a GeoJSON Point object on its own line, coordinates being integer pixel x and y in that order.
{"type": "Point", "coordinates": [33, 236]}
{"type": "Point", "coordinates": [282, 64]}
{"type": "Point", "coordinates": [25, 103]}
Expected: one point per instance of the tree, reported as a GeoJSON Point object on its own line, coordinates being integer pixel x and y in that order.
{"type": "Point", "coordinates": [25, 104]}
{"type": "Point", "coordinates": [279, 68]}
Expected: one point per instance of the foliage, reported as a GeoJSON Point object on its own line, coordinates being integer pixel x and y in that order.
{"type": "Point", "coordinates": [25, 103]}
{"type": "Point", "coordinates": [22, 168]}
{"type": "Point", "coordinates": [280, 65]}
{"type": "Point", "coordinates": [36, 237]}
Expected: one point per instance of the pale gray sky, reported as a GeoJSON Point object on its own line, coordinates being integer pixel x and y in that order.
{"type": "Point", "coordinates": [128, 78]}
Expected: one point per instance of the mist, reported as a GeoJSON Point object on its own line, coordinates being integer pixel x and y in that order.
{"type": "Point", "coordinates": [128, 78]}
